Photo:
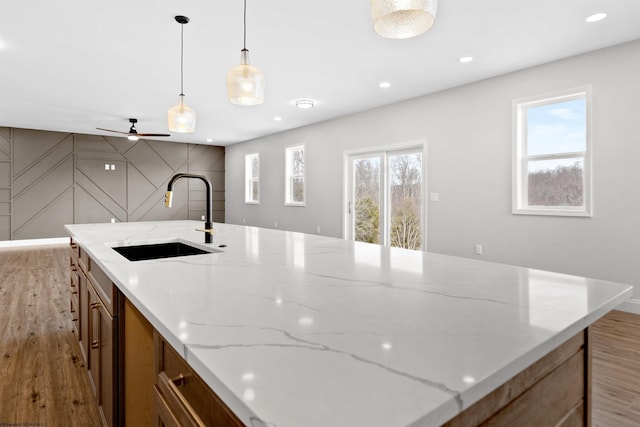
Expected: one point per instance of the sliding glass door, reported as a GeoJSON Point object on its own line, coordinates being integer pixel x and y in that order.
{"type": "Point", "coordinates": [385, 198]}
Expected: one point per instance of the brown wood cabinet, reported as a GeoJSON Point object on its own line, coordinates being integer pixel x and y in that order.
{"type": "Point", "coordinates": [95, 321]}
{"type": "Point", "coordinates": [182, 398]}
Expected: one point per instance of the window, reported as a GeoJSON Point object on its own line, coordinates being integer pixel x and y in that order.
{"type": "Point", "coordinates": [252, 178]}
{"type": "Point", "coordinates": [294, 185]}
{"type": "Point", "coordinates": [552, 155]}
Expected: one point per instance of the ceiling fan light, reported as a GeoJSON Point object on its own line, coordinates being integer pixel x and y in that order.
{"type": "Point", "coordinates": [182, 119]}
{"type": "Point", "coordinates": [133, 137]}
{"type": "Point", "coordinates": [403, 19]}
{"type": "Point", "coordinates": [245, 83]}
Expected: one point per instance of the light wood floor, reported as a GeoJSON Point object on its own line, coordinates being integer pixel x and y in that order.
{"type": "Point", "coordinates": [43, 381]}
{"type": "Point", "coordinates": [616, 370]}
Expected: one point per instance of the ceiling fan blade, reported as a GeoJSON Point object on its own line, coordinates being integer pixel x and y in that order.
{"type": "Point", "coordinates": [154, 134]}
{"type": "Point", "coordinates": [111, 130]}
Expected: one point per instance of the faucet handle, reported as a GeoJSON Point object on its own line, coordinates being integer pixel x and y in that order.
{"type": "Point", "coordinates": [168, 198]}
{"type": "Point", "coordinates": [207, 230]}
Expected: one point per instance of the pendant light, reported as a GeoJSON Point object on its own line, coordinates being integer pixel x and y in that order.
{"type": "Point", "coordinates": [403, 19]}
{"type": "Point", "coordinates": [245, 83]}
{"type": "Point", "coordinates": [182, 119]}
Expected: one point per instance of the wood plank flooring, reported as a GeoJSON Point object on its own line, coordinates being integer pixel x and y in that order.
{"type": "Point", "coordinates": [616, 370]}
{"type": "Point", "coordinates": [43, 381]}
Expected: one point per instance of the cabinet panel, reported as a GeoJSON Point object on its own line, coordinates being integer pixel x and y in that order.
{"type": "Point", "coordinates": [189, 399]}
{"type": "Point", "coordinates": [83, 323]}
{"type": "Point", "coordinates": [94, 302]}
{"type": "Point", "coordinates": [107, 365]}
{"type": "Point", "coordinates": [93, 341]}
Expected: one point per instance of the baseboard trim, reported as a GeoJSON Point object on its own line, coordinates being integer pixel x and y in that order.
{"type": "Point", "coordinates": [33, 242]}
{"type": "Point", "coordinates": [632, 305]}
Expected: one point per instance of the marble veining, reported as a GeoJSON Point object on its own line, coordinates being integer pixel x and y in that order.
{"type": "Point", "coordinates": [292, 329]}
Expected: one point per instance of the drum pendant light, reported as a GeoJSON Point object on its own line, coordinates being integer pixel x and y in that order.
{"type": "Point", "coordinates": [403, 19]}
{"type": "Point", "coordinates": [182, 119]}
{"type": "Point", "coordinates": [245, 83]}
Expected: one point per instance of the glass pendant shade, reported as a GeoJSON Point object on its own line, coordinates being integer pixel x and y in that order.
{"type": "Point", "coordinates": [245, 83]}
{"type": "Point", "coordinates": [182, 119]}
{"type": "Point", "coordinates": [403, 19]}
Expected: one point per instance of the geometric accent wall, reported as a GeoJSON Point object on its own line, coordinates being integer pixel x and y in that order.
{"type": "Point", "coordinates": [48, 179]}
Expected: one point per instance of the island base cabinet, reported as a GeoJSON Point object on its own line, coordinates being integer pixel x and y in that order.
{"type": "Point", "coordinates": [182, 398]}
{"type": "Point", "coordinates": [137, 366]}
{"type": "Point", "coordinates": [95, 322]}
{"type": "Point", "coordinates": [554, 391]}
{"type": "Point", "coordinates": [102, 370]}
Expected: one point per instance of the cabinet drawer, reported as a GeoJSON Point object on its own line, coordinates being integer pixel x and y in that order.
{"type": "Point", "coordinates": [74, 249]}
{"type": "Point", "coordinates": [165, 417]}
{"type": "Point", "coordinates": [103, 285]}
{"type": "Point", "coordinates": [83, 258]}
{"type": "Point", "coordinates": [75, 311]}
{"type": "Point", "coordinates": [189, 399]}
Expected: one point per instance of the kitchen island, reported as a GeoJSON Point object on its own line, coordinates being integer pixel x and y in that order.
{"type": "Point", "coordinates": [291, 329]}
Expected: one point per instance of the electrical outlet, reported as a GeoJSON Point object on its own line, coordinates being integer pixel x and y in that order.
{"type": "Point", "coordinates": [202, 217]}
{"type": "Point", "coordinates": [318, 229]}
{"type": "Point", "coordinates": [478, 249]}
{"type": "Point", "coordinates": [434, 197]}
{"type": "Point", "coordinates": [244, 220]}
{"type": "Point", "coordinates": [275, 224]}
{"type": "Point", "coordinates": [113, 220]}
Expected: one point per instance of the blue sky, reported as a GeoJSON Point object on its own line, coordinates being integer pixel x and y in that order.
{"type": "Point", "coordinates": [557, 128]}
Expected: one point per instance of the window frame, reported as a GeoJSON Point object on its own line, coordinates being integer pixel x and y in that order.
{"type": "Point", "coordinates": [520, 205]}
{"type": "Point", "coordinates": [249, 179]}
{"type": "Point", "coordinates": [288, 175]}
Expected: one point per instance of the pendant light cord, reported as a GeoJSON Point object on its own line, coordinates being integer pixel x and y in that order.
{"type": "Point", "coordinates": [244, 44]}
{"type": "Point", "coordinates": [181, 59]}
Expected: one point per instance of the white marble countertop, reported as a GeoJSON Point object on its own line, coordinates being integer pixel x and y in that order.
{"type": "Point", "coordinates": [297, 330]}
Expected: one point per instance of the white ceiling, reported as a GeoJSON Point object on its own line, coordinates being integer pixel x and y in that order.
{"type": "Point", "coordinates": [74, 65]}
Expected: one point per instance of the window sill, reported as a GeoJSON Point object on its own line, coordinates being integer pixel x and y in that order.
{"type": "Point", "coordinates": [553, 212]}
{"type": "Point", "coordinates": [292, 204]}
{"type": "Point", "coordinates": [251, 203]}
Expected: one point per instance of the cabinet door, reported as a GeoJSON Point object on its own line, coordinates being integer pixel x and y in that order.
{"type": "Point", "coordinates": [102, 328]}
{"type": "Point", "coordinates": [93, 339]}
{"type": "Point", "coordinates": [83, 323]}
{"type": "Point", "coordinates": [108, 380]}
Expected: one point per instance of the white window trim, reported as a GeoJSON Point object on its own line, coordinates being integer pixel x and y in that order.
{"type": "Point", "coordinates": [248, 179]}
{"type": "Point", "coordinates": [519, 166]}
{"type": "Point", "coordinates": [347, 171]}
{"type": "Point", "coordinates": [287, 177]}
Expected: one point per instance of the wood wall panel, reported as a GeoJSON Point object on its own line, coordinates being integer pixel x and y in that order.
{"type": "Point", "coordinates": [39, 200]}
{"type": "Point", "coordinates": [111, 184]}
{"type": "Point", "coordinates": [150, 164]}
{"type": "Point", "coordinates": [33, 146]}
{"type": "Point", "coordinates": [5, 144]}
{"type": "Point", "coordinates": [49, 222]}
{"type": "Point", "coordinates": [5, 174]}
{"type": "Point", "coordinates": [48, 179]}
{"type": "Point", "coordinates": [5, 183]}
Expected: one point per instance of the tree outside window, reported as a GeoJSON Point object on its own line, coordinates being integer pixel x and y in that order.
{"type": "Point", "coordinates": [252, 178]}
{"type": "Point", "coordinates": [295, 176]}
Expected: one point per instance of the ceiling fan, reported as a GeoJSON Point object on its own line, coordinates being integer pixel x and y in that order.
{"type": "Point", "coordinates": [133, 134]}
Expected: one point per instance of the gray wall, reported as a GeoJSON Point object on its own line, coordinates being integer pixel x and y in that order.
{"type": "Point", "coordinates": [469, 139]}
{"type": "Point", "coordinates": [48, 179]}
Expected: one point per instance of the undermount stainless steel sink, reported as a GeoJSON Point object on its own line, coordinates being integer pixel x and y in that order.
{"type": "Point", "coordinates": [160, 250]}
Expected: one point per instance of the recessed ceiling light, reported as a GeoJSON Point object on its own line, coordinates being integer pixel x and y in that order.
{"type": "Point", "coordinates": [465, 59]}
{"type": "Point", "coordinates": [277, 118]}
{"type": "Point", "coordinates": [305, 104]}
{"type": "Point", "coordinates": [209, 140]}
{"type": "Point", "coordinates": [596, 17]}
{"type": "Point", "coordinates": [384, 85]}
